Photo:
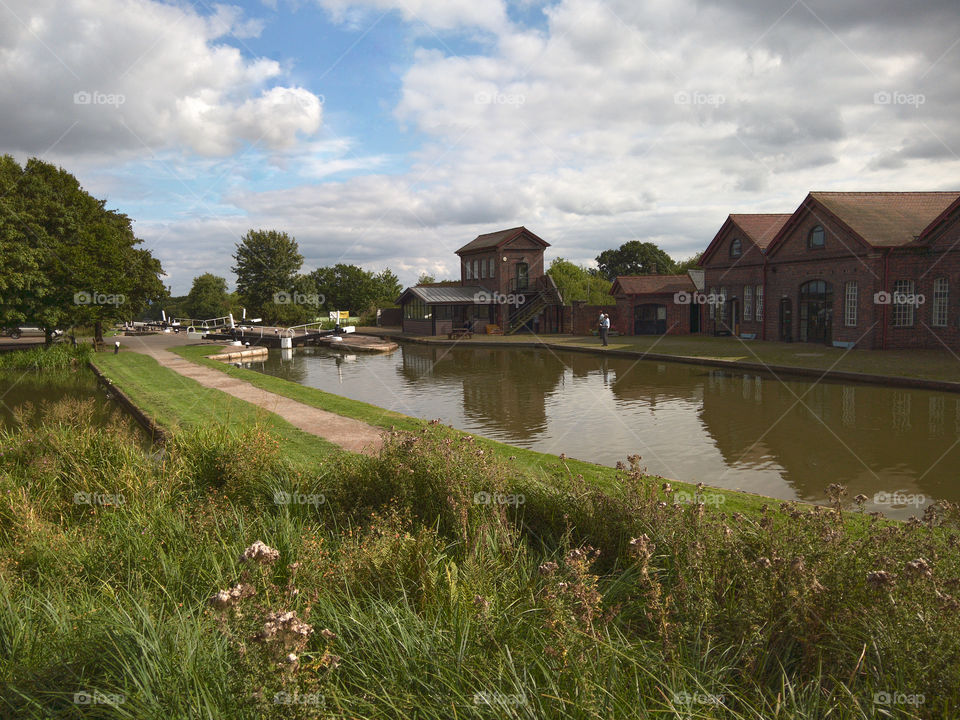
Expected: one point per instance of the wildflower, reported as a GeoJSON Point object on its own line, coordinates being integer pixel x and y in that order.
{"type": "Point", "coordinates": [227, 598]}
{"type": "Point", "coordinates": [328, 634]}
{"type": "Point", "coordinates": [547, 568]}
{"type": "Point", "coordinates": [286, 631]}
{"type": "Point", "coordinates": [879, 579]}
{"type": "Point", "coordinates": [920, 567]}
{"type": "Point", "coordinates": [293, 661]}
{"type": "Point", "coordinates": [260, 553]}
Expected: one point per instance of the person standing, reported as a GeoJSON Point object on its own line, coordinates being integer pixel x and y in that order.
{"type": "Point", "coordinates": [604, 327]}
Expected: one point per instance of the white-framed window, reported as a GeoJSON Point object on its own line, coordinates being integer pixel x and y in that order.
{"type": "Point", "coordinates": [466, 270]}
{"type": "Point", "coordinates": [850, 298]}
{"type": "Point", "coordinates": [759, 308]}
{"type": "Point", "coordinates": [748, 303]}
{"type": "Point", "coordinates": [904, 303]}
{"type": "Point", "coordinates": [476, 269]}
{"type": "Point", "coordinates": [941, 297]}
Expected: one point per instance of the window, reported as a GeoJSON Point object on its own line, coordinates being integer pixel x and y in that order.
{"type": "Point", "coordinates": [759, 308]}
{"type": "Point", "coordinates": [712, 310]}
{"type": "Point", "coordinates": [723, 305]}
{"type": "Point", "coordinates": [850, 305]}
{"type": "Point", "coordinates": [748, 303]}
{"type": "Point", "coordinates": [443, 312]}
{"type": "Point", "coordinates": [736, 248]}
{"type": "Point", "coordinates": [466, 270]}
{"type": "Point", "coordinates": [941, 294]}
{"type": "Point", "coordinates": [493, 264]}
{"type": "Point", "coordinates": [416, 310]}
{"type": "Point", "coordinates": [476, 269]}
{"type": "Point", "coordinates": [483, 269]}
{"type": "Point", "coordinates": [815, 238]}
{"type": "Point", "coordinates": [904, 303]}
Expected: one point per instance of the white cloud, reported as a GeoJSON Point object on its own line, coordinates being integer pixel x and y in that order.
{"type": "Point", "coordinates": [440, 14]}
{"type": "Point", "coordinates": [126, 77]}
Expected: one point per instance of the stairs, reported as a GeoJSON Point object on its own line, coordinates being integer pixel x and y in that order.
{"type": "Point", "coordinates": [538, 296]}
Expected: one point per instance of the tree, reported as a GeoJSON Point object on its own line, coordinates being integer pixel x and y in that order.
{"type": "Point", "coordinates": [576, 282]}
{"type": "Point", "coordinates": [691, 263]}
{"type": "Point", "coordinates": [74, 262]}
{"type": "Point", "coordinates": [635, 258]}
{"type": "Point", "coordinates": [208, 297]}
{"type": "Point", "coordinates": [426, 279]}
{"type": "Point", "coordinates": [350, 287]}
{"type": "Point", "coordinates": [267, 263]}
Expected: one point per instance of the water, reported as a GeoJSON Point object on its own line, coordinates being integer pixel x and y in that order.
{"type": "Point", "coordinates": [18, 387]}
{"type": "Point", "coordinates": [787, 439]}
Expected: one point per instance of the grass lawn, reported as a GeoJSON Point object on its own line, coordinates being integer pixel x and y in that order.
{"type": "Point", "coordinates": [175, 401]}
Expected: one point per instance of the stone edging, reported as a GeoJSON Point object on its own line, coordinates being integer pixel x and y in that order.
{"type": "Point", "coordinates": [157, 433]}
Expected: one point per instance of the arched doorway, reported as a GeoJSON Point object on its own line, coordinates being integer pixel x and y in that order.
{"type": "Point", "coordinates": [650, 319]}
{"type": "Point", "coordinates": [816, 312]}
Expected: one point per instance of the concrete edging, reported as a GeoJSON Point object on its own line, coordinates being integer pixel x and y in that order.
{"type": "Point", "coordinates": [157, 433]}
{"type": "Point", "coordinates": [775, 370]}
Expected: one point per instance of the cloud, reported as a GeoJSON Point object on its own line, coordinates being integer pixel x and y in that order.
{"type": "Point", "coordinates": [119, 78]}
{"type": "Point", "coordinates": [439, 14]}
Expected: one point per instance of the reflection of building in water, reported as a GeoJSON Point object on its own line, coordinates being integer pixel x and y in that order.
{"type": "Point", "coordinates": [505, 389]}
{"type": "Point", "coordinates": [865, 436]}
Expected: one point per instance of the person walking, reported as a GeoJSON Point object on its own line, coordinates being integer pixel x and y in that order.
{"type": "Point", "coordinates": [604, 327]}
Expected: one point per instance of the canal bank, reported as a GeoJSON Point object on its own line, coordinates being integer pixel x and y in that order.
{"type": "Point", "coordinates": [826, 364]}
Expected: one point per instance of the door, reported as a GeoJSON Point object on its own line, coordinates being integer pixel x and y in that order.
{"type": "Point", "coordinates": [786, 320]}
{"type": "Point", "coordinates": [816, 312]}
{"type": "Point", "coordinates": [523, 276]}
{"type": "Point", "coordinates": [650, 319]}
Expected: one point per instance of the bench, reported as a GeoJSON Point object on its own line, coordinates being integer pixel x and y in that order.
{"type": "Point", "coordinates": [460, 333]}
{"type": "Point", "coordinates": [494, 330]}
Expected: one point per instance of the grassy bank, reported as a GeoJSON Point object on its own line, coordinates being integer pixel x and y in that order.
{"type": "Point", "coordinates": [60, 356]}
{"type": "Point", "coordinates": [415, 597]}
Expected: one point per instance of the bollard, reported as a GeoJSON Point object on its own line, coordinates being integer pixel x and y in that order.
{"type": "Point", "coordinates": [116, 347]}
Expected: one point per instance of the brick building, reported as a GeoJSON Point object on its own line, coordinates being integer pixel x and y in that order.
{"type": "Point", "coordinates": [653, 305]}
{"type": "Point", "coordinates": [850, 269]}
{"type": "Point", "coordinates": [502, 284]}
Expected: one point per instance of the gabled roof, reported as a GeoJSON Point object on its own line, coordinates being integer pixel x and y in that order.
{"type": "Point", "coordinates": [496, 239]}
{"type": "Point", "coordinates": [941, 220]}
{"type": "Point", "coordinates": [758, 228]}
{"type": "Point", "coordinates": [651, 284]}
{"type": "Point", "coordinates": [437, 295]}
{"type": "Point", "coordinates": [876, 219]}
{"type": "Point", "coordinates": [886, 219]}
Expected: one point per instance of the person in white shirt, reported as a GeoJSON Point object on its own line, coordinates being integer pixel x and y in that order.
{"type": "Point", "coordinates": [604, 327]}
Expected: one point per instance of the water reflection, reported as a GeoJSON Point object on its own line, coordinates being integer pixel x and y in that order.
{"type": "Point", "coordinates": [786, 438]}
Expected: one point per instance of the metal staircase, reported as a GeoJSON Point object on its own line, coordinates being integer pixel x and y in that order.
{"type": "Point", "coordinates": [537, 296]}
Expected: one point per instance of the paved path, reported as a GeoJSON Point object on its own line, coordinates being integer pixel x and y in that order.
{"type": "Point", "coordinates": [350, 434]}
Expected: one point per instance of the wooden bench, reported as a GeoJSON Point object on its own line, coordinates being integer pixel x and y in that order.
{"type": "Point", "coordinates": [460, 333]}
{"type": "Point", "coordinates": [494, 330]}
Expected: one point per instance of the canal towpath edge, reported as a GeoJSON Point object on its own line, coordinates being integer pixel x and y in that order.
{"type": "Point", "coordinates": [348, 433]}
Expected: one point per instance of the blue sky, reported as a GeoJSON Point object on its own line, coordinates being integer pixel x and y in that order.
{"type": "Point", "coordinates": [387, 133]}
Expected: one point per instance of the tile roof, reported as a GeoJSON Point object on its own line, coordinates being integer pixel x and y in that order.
{"type": "Point", "coordinates": [652, 284]}
{"type": "Point", "coordinates": [761, 228]}
{"type": "Point", "coordinates": [492, 240]}
{"type": "Point", "coordinates": [886, 219]}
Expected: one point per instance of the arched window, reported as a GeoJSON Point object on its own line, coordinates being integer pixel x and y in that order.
{"type": "Point", "coordinates": [736, 248]}
{"type": "Point", "coordinates": [816, 237]}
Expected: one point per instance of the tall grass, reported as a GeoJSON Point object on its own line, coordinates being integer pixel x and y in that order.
{"type": "Point", "coordinates": [423, 600]}
{"type": "Point", "coordinates": [59, 356]}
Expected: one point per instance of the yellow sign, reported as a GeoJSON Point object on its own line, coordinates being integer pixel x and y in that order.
{"type": "Point", "coordinates": [344, 314]}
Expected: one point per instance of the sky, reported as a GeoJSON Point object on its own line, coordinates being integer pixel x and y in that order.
{"type": "Point", "coordinates": [388, 133]}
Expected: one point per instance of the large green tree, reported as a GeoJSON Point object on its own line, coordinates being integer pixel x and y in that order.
{"type": "Point", "coordinates": [691, 263]}
{"type": "Point", "coordinates": [208, 297]}
{"type": "Point", "coordinates": [635, 258]}
{"type": "Point", "coordinates": [267, 267]}
{"type": "Point", "coordinates": [67, 260]}
{"type": "Point", "coordinates": [576, 282]}
{"type": "Point", "coordinates": [350, 287]}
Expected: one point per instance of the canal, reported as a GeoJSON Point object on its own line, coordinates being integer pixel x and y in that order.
{"type": "Point", "coordinates": [788, 439]}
